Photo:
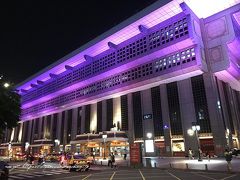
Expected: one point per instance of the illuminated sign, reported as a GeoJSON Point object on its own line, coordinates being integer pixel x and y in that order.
{"type": "Point", "coordinates": [149, 146]}
{"type": "Point", "coordinates": [147, 116]}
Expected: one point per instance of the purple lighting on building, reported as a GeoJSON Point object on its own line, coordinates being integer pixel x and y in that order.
{"type": "Point", "coordinates": [165, 126]}
{"type": "Point", "coordinates": [237, 17]}
{"type": "Point", "coordinates": [128, 29]}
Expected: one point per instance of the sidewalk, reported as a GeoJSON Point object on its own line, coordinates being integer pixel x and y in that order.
{"type": "Point", "coordinates": [215, 164]}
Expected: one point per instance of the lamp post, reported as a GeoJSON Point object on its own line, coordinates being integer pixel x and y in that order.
{"type": "Point", "coordinates": [196, 128]}
{"type": "Point", "coordinates": [104, 136]}
{"type": "Point", "coordinates": [57, 142]}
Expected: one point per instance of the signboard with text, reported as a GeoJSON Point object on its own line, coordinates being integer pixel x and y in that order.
{"type": "Point", "coordinates": [147, 116]}
{"type": "Point", "coordinates": [135, 156]}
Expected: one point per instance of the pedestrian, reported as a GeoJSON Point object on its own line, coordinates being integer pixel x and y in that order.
{"type": "Point", "coordinates": [208, 156]}
{"type": "Point", "coordinates": [228, 157]}
{"type": "Point", "coordinates": [125, 154]}
{"type": "Point", "coordinates": [31, 159]}
{"type": "Point", "coordinates": [113, 163]}
{"type": "Point", "coordinates": [93, 154]}
{"type": "Point", "coordinates": [199, 154]}
{"type": "Point", "coordinates": [110, 160]}
{"type": "Point", "coordinates": [190, 153]}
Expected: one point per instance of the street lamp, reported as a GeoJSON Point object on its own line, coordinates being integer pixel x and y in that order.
{"type": "Point", "coordinates": [57, 142]}
{"type": "Point", "coordinates": [227, 136]}
{"type": "Point", "coordinates": [104, 136]}
{"type": "Point", "coordinates": [6, 85]}
{"type": "Point", "coordinates": [196, 128]}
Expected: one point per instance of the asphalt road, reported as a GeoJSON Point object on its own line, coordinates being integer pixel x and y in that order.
{"type": "Point", "coordinates": [106, 173]}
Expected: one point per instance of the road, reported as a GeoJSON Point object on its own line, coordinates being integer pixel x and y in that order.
{"type": "Point", "coordinates": [106, 173]}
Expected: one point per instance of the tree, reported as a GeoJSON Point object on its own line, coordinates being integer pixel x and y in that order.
{"type": "Point", "coordinates": [10, 107]}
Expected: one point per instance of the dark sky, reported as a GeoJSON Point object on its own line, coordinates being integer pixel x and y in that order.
{"type": "Point", "coordinates": [36, 33]}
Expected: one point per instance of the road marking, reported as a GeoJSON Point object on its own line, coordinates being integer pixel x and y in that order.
{"type": "Point", "coordinates": [16, 177]}
{"type": "Point", "coordinates": [87, 177]}
{"type": "Point", "coordinates": [25, 175]}
{"type": "Point", "coordinates": [204, 176]}
{"type": "Point", "coordinates": [70, 177]}
{"type": "Point", "coordinates": [174, 176]}
{"type": "Point", "coordinates": [112, 175]}
{"type": "Point", "coordinates": [141, 174]}
{"type": "Point", "coordinates": [229, 177]}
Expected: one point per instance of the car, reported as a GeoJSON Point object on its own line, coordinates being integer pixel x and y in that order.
{"type": "Point", "coordinates": [19, 157]}
{"type": "Point", "coordinates": [75, 162]}
{"type": "Point", "coordinates": [54, 157]}
{"type": "Point", "coordinates": [4, 171]}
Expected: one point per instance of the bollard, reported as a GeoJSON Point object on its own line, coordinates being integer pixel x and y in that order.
{"type": "Point", "coordinates": [170, 165]}
{"type": "Point", "coordinates": [186, 165]}
{"type": "Point", "coordinates": [206, 167]}
{"type": "Point", "coordinates": [155, 164]}
{"type": "Point", "coordinates": [101, 163]}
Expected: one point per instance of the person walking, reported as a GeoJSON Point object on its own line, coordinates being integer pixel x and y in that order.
{"type": "Point", "coordinates": [112, 160]}
{"type": "Point", "coordinates": [228, 157]}
{"type": "Point", "coordinates": [114, 164]}
{"type": "Point", "coordinates": [190, 153]}
{"type": "Point", "coordinates": [208, 156]}
{"type": "Point", "coordinates": [125, 154]}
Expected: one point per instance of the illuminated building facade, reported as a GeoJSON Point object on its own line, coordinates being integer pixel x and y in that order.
{"type": "Point", "coordinates": [159, 71]}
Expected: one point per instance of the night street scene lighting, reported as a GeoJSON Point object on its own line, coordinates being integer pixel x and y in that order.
{"type": "Point", "coordinates": [155, 87]}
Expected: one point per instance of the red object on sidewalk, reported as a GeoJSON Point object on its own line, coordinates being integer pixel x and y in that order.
{"type": "Point", "coordinates": [135, 157]}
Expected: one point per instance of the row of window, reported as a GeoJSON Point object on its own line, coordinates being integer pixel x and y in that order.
{"type": "Point", "coordinates": [145, 71]}
{"type": "Point", "coordinates": [104, 62]}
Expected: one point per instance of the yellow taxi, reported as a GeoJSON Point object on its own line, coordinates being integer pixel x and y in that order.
{"type": "Point", "coordinates": [75, 162]}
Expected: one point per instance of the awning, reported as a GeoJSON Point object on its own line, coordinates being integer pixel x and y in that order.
{"type": "Point", "coordinates": [4, 146]}
{"type": "Point", "coordinates": [42, 142]}
{"type": "Point", "coordinates": [111, 136]}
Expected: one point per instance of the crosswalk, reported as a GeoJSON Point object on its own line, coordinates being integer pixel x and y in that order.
{"type": "Point", "coordinates": [38, 174]}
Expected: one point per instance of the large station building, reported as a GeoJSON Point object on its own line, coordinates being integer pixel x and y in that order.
{"type": "Point", "coordinates": [151, 77]}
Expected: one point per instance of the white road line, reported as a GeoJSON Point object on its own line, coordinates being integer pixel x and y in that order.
{"type": "Point", "coordinates": [15, 177]}
{"type": "Point", "coordinates": [229, 177]}
{"type": "Point", "coordinates": [87, 177]}
{"type": "Point", "coordinates": [113, 175]}
{"type": "Point", "coordinates": [24, 175]}
{"type": "Point", "coordinates": [55, 172]}
{"type": "Point", "coordinates": [60, 171]}
{"type": "Point", "coordinates": [204, 176]}
{"type": "Point", "coordinates": [38, 175]}
{"type": "Point", "coordinates": [141, 174]}
{"type": "Point", "coordinates": [48, 174]}
{"type": "Point", "coordinates": [174, 176]}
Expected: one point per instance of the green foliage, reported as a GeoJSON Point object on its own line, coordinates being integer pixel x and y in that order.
{"type": "Point", "coordinates": [10, 108]}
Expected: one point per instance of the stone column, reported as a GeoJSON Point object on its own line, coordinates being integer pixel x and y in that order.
{"type": "Point", "coordinates": [20, 132]}
{"type": "Point", "coordinates": [216, 121]}
{"type": "Point", "coordinates": [148, 126]}
{"type": "Point", "coordinates": [104, 115]}
{"type": "Point", "coordinates": [93, 118]}
{"type": "Point", "coordinates": [130, 119]}
{"type": "Point", "coordinates": [117, 111]}
{"type": "Point", "coordinates": [224, 112]}
{"type": "Point", "coordinates": [187, 110]}
{"type": "Point", "coordinates": [166, 120]}
{"type": "Point", "coordinates": [74, 128]}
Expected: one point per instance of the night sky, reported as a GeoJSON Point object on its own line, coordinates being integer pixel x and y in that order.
{"type": "Point", "coordinates": [34, 34]}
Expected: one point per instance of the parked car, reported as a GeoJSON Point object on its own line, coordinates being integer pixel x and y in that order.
{"type": "Point", "coordinates": [4, 171]}
{"type": "Point", "coordinates": [75, 162]}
